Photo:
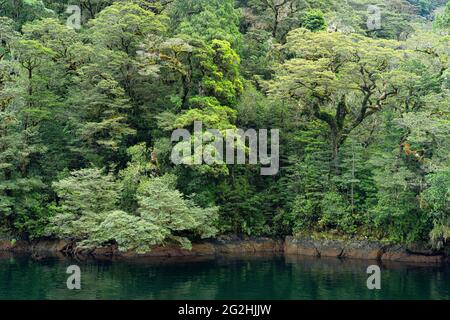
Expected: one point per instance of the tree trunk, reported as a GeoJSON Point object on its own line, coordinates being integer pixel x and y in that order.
{"type": "Point", "coordinates": [275, 24]}
{"type": "Point", "coordinates": [30, 87]}
{"type": "Point", "coordinates": [335, 147]}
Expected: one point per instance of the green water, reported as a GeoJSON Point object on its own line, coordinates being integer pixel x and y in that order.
{"type": "Point", "coordinates": [238, 278]}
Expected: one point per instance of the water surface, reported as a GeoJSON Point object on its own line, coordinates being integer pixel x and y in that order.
{"type": "Point", "coordinates": [237, 278]}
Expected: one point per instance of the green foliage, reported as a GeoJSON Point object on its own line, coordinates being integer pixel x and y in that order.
{"type": "Point", "coordinates": [83, 199]}
{"type": "Point", "coordinates": [122, 25]}
{"type": "Point", "coordinates": [139, 169]}
{"type": "Point", "coordinates": [222, 78]}
{"type": "Point", "coordinates": [314, 21]}
{"type": "Point", "coordinates": [244, 210]}
{"type": "Point", "coordinates": [206, 19]}
{"type": "Point", "coordinates": [395, 214]}
{"type": "Point", "coordinates": [128, 231]}
{"type": "Point", "coordinates": [437, 198]}
{"type": "Point", "coordinates": [22, 11]}
{"type": "Point", "coordinates": [336, 213]}
{"type": "Point", "coordinates": [442, 21]}
{"type": "Point", "coordinates": [20, 198]}
{"type": "Point", "coordinates": [343, 81]}
{"type": "Point", "coordinates": [87, 201]}
{"type": "Point", "coordinates": [281, 16]}
{"type": "Point", "coordinates": [163, 205]}
{"type": "Point", "coordinates": [101, 109]}
{"type": "Point", "coordinates": [363, 119]}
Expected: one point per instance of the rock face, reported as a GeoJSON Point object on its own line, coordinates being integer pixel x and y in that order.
{"type": "Point", "coordinates": [223, 245]}
{"type": "Point", "coordinates": [198, 249]}
{"type": "Point", "coordinates": [303, 246]}
{"type": "Point", "coordinates": [40, 246]}
{"type": "Point", "coordinates": [333, 248]}
{"type": "Point", "coordinates": [16, 246]}
{"type": "Point", "coordinates": [363, 250]}
{"type": "Point", "coordinates": [233, 245]}
{"type": "Point", "coordinates": [398, 253]}
{"type": "Point", "coordinates": [360, 249]}
{"type": "Point", "coordinates": [49, 246]}
{"type": "Point", "coordinates": [236, 245]}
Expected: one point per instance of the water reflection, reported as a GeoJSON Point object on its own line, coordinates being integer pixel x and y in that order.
{"type": "Point", "coordinates": [233, 277]}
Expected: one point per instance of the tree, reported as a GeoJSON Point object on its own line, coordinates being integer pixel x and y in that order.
{"type": "Point", "coordinates": [396, 216]}
{"type": "Point", "coordinates": [314, 21]}
{"type": "Point", "coordinates": [7, 36]}
{"type": "Point", "coordinates": [83, 199]}
{"type": "Point", "coordinates": [31, 54]}
{"type": "Point", "coordinates": [206, 20]}
{"type": "Point", "coordinates": [140, 168]}
{"type": "Point", "coordinates": [22, 11]}
{"type": "Point", "coordinates": [214, 87]}
{"type": "Point", "coordinates": [21, 188]}
{"type": "Point", "coordinates": [87, 210]}
{"type": "Point", "coordinates": [101, 115]}
{"type": "Point", "coordinates": [363, 119]}
{"type": "Point", "coordinates": [21, 208]}
{"type": "Point", "coordinates": [282, 16]}
{"type": "Point", "coordinates": [129, 232]}
{"type": "Point", "coordinates": [122, 26]}
{"type": "Point", "coordinates": [162, 205]}
{"type": "Point", "coordinates": [437, 198]}
{"type": "Point", "coordinates": [339, 79]}
{"type": "Point", "coordinates": [442, 21]}
{"type": "Point", "coordinates": [92, 7]}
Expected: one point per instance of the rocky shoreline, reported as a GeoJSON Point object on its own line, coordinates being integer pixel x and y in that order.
{"type": "Point", "coordinates": [362, 249]}
{"type": "Point", "coordinates": [229, 245]}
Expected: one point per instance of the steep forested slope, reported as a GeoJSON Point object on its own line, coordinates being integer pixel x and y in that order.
{"type": "Point", "coordinates": [359, 90]}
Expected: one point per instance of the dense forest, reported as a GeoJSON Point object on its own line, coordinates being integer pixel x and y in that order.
{"type": "Point", "coordinates": [91, 91]}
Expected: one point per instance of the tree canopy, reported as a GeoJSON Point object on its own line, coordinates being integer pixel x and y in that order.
{"type": "Point", "coordinates": [87, 114]}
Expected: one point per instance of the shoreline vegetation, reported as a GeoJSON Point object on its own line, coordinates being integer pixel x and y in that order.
{"type": "Point", "coordinates": [357, 91]}
{"type": "Point", "coordinates": [249, 246]}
